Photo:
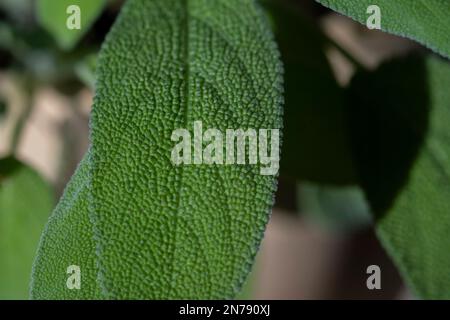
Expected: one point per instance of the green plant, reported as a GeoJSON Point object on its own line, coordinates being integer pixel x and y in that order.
{"type": "Point", "coordinates": [374, 151]}
{"type": "Point", "coordinates": [164, 65]}
{"type": "Point", "coordinates": [400, 145]}
{"type": "Point", "coordinates": [21, 223]}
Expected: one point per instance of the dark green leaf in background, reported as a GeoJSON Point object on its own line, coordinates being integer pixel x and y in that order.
{"type": "Point", "coordinates": [388, 118]}
{"type": "Point", "coordinates": [400, 116]}
{"type": "Point", "coordinates": [26, 201]}
{"type": "Point", "coordinates": [19, 11]}
{"type": "Point", "coordinates": [425, 21]}
{"type": "Point", "coordinates": [53, 17]}
{"type": "Point", "coordinates": [3, 108]}
{"type": "Point", "coordinates": [316, 144]}
{"type": "Point", "coordinates": [85, 70]}
{"type": "Point", "coordinates": [340, 208]}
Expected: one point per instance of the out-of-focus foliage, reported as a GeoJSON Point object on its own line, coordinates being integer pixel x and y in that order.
{"type": "Point", "coordinates": [425, 21]}
{"type": "Point", "coordinates": [341, 208]}
{"type": "Point", "coordinates": [400, 115]}
{"type": "Point", "coordinates": [388, 115]}
{"type": "Point", "coordinates": [53, 16]}
{"type": "Point", "coordinates": [3, 108]}
{"type": "Point", "coordinates": [316, 146]}
{"type": "Point", "coordinates": [25, 203]}
{"type": "Point", "coordinates": [20, 11]}
{"type": "Point", "coordinates": [316, 143]}
{"type": "Point", "coordinates": [85, 70]}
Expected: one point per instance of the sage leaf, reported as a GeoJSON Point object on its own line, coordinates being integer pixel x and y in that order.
{"type": "Point", "coordinates": [402, 145]}
{"type": "Point", "coordinates": [165, 231]}
{"type": "Point", "coordinates": [67, 241]}
{"type": "Point", "coordinates": [425, 21]}
{"type": "Point", "coordinates": [188, 231]}
{"type": "Point", "coordinates": [54, 16]}
{"type": "Point", "coordinates": [26, 201]}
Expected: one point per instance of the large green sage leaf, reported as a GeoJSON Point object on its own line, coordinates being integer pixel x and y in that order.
{"type": "Point", "coordinates": [25, 203]}
{"type": "Point", "coordinates": [425, 21]}
{"type": "Point", "coordinates": [188, 231]}
{"type": "Point", "coordinates": [400, 117]}
{"type": "Point", "coordinates": [165, 231]}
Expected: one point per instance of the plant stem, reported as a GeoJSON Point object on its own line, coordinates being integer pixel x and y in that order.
{"type": "Point", "coordinates": [28, 91]}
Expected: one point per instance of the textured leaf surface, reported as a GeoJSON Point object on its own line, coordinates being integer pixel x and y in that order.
{"type": "Point", "coordinates": [316, 145]}
{"type": "Point", "coordinates": [188, 231]}
{"type": "Point", "coordinates": [400, 116]}
{"type": "Point", "coordinates": [53, 17]}
{"type": "Point", "coordinates": [67, 241]}
{"type": "Point", "coordinates": [25, 203]}
{"type": "Point", "coordinates": [165, 231]}
{"type": "Point", "coordinates": [425, 21]}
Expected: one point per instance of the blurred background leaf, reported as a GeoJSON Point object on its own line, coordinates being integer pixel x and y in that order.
{"type": "Point", "coordinates": [338, 208]}
{"type": "Point", "coordinates": [26, 201]}
{"type": "Point", "coordinates": [85, 70]}
{"type": "Point", "coordinates": [21, 11]}
{"type": "Point", "coordinates": [425, 21]}
{"type": "Point", "coordinates": [316, 150]}
{"type": "Point", "coordinates": [400, 115]}
{"type": "Point", "coordinates": [53, 17]}
{"type": "Point", "coordinates": [315, 138]}
{"type": "Point", "coordinates": [388, 124]}
{"type": "Point", "coordinates": [3, 108]}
